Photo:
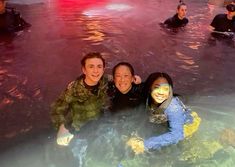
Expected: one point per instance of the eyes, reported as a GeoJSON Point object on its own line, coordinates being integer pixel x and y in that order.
{"type": "Point", "coordinates": [161, 88]}
{"type": "Point", "coordinates": [120, 76]}
{"type": "Point", "coordinates": [100, 66]}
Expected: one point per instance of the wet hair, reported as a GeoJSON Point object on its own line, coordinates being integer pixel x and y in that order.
{"type": "Point", "coordinates": [150, 80]}
{"type": "Point", "coordinates": [90, 56]}
{"type": "Point", "coordinates": [181, 4]}
{"type": "Point", "coordinates": [128, 65]}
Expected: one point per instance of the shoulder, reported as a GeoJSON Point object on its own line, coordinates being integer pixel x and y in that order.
{"type": "Point", "coordinates": [138, 87]}
{"type": "Point", "coordinates": [169, 20]}
{"type": "Point", "coordinates": [220, 16]}
{"type": "Point", "coordinates": [186, 20]}
{"type": "Point", "coordinates": [76, 87]}
{"type": "Point", "coordinates": [71, 85]}
{"type": "Point", "coordinates": [175, 105]}
{"type": "Point", "coordinates": [104, 82]}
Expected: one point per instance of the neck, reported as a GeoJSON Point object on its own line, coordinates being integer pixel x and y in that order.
{"type": "Point", "coordinates": [90, 83]}
{"type": "Point", "coordinates": [229, 17]}
{"type": "Point", "coordinates": [181, 18]}
{"type": "Point", "coordinates": [127, 90]}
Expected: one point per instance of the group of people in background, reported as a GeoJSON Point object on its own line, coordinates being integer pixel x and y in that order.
{"type": "Point", "coordinates": [95, 94]}
{"type": "Point", "coordinates": [222, 25]}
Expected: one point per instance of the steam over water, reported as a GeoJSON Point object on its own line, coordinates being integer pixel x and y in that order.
{"type": "Point", "coordinates": [36, 65]}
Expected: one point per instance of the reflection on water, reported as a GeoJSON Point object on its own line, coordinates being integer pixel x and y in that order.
{"type": "Point", "coordinates": [36, 66]}
{"type": "Point", "coordinates": [93, 32]}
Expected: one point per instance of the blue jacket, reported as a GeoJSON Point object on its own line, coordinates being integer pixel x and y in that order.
{"type": "Point", "coordinates": [177, 116]}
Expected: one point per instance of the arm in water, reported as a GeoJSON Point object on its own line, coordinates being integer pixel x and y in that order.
{"type": "Point", "coordinates": [60, 111]}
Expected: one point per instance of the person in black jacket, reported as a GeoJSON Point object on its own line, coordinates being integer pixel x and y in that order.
{"type": "Point", "coordinates": [10, 20]}
{"type": "Point", "coordinates": [179, 19]}
{"type": "Point", "coordinates": [123, 91]}
{"type": "Point", "coordinates": [223, 25]}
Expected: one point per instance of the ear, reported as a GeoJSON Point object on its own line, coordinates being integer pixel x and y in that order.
{"type": "Point", "coordinates": [83, 70]}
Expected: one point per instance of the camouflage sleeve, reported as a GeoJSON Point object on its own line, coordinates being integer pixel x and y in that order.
{"type": "Point", "coordinates": [60, 108]}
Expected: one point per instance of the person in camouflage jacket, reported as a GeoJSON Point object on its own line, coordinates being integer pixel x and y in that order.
{"type": "Point", "coordinates": [82, 101]}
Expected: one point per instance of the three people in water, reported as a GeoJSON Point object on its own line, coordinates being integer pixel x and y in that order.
{"type": "Point", "coordinates": [86, 98]}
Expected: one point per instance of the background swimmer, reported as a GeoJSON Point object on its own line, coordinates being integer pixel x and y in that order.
{"type": "Point", "coordinates": [179, 19]}
{"type": "Point", "coordinates": [10, 20]}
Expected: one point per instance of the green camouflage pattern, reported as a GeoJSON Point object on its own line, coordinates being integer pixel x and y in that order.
{"type": "Point", "coordinates": [77, 104]}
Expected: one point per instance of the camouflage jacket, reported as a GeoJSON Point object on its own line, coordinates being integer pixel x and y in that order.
{"type": "Point", "coordinates": [78, 105]}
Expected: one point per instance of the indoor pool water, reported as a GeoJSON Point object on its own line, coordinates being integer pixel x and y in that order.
{"type": "Point", "coordinates": [38, 63]}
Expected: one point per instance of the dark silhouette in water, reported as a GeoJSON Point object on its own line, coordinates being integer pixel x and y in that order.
{"type": "Point", "coordinates": [10, 20]}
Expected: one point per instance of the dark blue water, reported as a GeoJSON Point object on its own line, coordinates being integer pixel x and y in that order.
{"type": "Point", "coordinates": [37, 64]}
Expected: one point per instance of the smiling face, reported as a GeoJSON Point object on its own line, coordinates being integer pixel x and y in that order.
{"type": "Point", "coordinates": [160, 90]}
{"type": "Point", "coordinates": [93, 70]}
{"type": "Point", "coordinates": [123, 79]}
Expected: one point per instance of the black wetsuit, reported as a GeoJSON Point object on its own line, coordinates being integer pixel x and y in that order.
{"type": "Point", "coordinates": [130, 100]}
{"type": "Point", "coordinates": [10, 21]}
{"type": "Point", "coordinates": [175, 22]}
{"type": "Point", "coordinates": [223, 24]}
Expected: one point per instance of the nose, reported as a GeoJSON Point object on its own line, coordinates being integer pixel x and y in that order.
{"type": "Point", "coordinates": [160, 92]}
{"type": "Point", "coordinates": [122, 78]}
{"type": "Point", "coordinates": [96, 70]}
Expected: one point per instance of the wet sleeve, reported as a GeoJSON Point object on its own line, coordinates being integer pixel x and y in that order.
{"type": "Point", "coordinates": [175, 134]}
{"type": "Point", "coordinates": [60, 108]}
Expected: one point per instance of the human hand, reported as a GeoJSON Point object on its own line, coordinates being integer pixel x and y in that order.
{"type": "Point", "coordinates": [64, 136]}
{"type": "Point", "coordinates": [229, 34]}
{"type": "Point", "coordinates": [137, 79]}
{"type": "Point", "coordinates": [136, 144]}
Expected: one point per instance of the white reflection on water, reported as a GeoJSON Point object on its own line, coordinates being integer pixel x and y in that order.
{"type": "Point", "coordinates": [107, 10]}
{"type": "Point", "coordinates": [119, 7]}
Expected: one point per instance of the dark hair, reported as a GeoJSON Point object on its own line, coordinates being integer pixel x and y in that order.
{"type": "Point", "coordinates": [230, 7]}
{"type": "Point", "coordinates": [90, 56]}
{"type": "Point", "coordinates": [150, 80]}
{"type": "Point", "coordinates": [128, 65]}
{"type": "Point", "coordinates": [181, 4]}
